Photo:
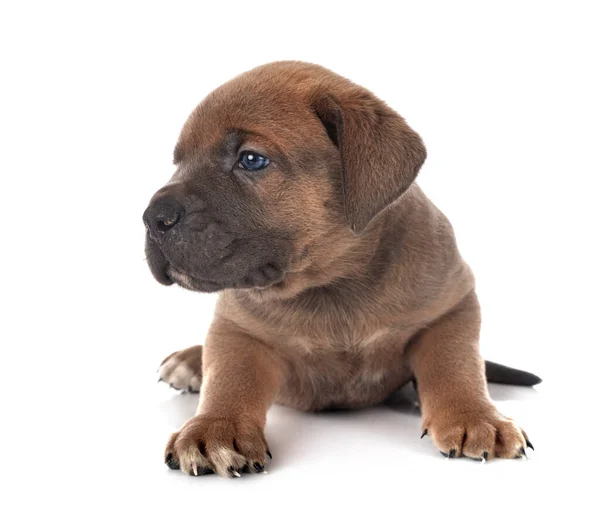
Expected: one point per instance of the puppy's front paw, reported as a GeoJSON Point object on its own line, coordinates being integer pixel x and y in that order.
{"type": "Point", "coordinates": [182, 370]}
{"type": "Point", "coordinates": [479, 435]}
{"type": "Point", "coordinates": [207, 444]}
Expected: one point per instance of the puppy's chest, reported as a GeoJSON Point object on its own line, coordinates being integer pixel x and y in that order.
{"type": "Point", "coordinates": [345, 343]}
{"type": "Point", "coordinates": [342, 370]}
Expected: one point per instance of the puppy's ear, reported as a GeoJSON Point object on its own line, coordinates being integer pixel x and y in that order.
{"type": "Point", "coordinates": [381, 155]}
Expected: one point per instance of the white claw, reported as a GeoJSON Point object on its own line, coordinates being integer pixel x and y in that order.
{"type": "Point", "coordinates": [236, 474]}
{"type": "Point", "coordinates": [195, 468]}
{"type": "Point", "coordinates": [483, 461]}
{"type": "Point", "coordinates": [265, 473]}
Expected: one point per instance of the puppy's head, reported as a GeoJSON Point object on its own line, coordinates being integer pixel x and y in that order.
{"type": "Point", "coordinates": [280, 173]}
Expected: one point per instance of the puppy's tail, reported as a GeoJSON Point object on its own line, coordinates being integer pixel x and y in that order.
{"type": "Point", "coordinates": [496, 373]}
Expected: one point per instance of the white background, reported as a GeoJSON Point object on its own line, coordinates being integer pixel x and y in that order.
{"type": "Point", "coordinates": [93, 95]}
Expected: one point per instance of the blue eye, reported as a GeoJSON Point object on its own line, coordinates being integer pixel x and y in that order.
{"type": "Point", "coordinates": [252, 161]}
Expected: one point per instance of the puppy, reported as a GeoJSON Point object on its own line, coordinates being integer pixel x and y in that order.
{"type": "Point", "coordinates": [295, 198]}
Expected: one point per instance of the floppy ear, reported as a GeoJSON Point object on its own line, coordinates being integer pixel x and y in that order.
{"type": "Point", "coordinates": [381, 155]}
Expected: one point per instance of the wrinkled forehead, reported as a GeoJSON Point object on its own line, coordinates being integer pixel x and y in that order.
{"type": "Point", "coordinates": [246, 110]}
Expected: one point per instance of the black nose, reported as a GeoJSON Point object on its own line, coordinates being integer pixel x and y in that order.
{"type": "Point", "coordinates": [162, 214]}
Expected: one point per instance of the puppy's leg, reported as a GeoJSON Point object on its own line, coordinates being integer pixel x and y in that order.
{"type": "Point", "coordinates": [182, 370]}
{"type": "Point", "coordinates": [458, 414]}
{"type": "Point", "coordinates": [241, 379]}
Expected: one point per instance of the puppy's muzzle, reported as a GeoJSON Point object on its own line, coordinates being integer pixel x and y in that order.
{"type": "Point", "coordinates": [200, 248]}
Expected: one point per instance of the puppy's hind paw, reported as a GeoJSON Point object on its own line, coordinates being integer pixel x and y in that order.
{"type": "Point", "coordinates": [182, 370]}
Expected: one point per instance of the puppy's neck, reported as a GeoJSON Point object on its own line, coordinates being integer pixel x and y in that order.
{"type": "Point", "coordinates": [346, 263]}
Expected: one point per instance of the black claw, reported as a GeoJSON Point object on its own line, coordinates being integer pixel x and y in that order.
{"type": "Point", "coordinates": [485, 456]}
{"type": "Point", "coordinates": [190, 389]}
{"type": "Point", "coordinates": [159, 379]}
{"type": "Point", "coordinates": [522, 451]}
{"type": "Point", "coordinates": [529, 445]}
{"type": "Point", "coordinates": [258, 467]}
{"type": "Point", "coordinates": [424, 434]}
{"type": "Point", "coordinates": [444, 454]}
{"type": "Point", "coordinates": [452, 453]}
{"type": "Point", "coordinates": [269, 454]}
{"type": "Point", "coordinates": [171, 461]}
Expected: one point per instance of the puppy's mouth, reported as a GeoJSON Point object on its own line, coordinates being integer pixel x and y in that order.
{"type": "Point", "coordinates": [165, 272]}
{"type": "Point", "coordinates": [192, 283]}
{"type": "Point", "coordinates": [157, 262]}
{"type": "Point", "coordinates": [263, 278]}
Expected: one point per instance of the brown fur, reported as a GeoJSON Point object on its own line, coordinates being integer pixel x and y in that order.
{"type": "Point", "coordinates": [372, 292]}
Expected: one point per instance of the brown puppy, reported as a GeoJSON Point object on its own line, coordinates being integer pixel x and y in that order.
{"type": "Point", "coordinates": [340, 281]}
